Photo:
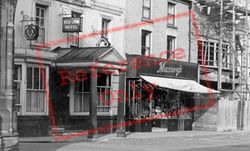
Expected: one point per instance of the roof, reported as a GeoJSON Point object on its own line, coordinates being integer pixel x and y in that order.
{"type": "Point", "coordinates": [88, 54]}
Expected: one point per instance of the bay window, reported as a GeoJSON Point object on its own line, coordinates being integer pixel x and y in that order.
{"type": "Point", "coordinates": [35, 93]}
{"type": "Point", "coordinates": [82, 94]}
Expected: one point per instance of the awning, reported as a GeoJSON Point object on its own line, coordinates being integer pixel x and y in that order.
{"type": "Point", "coordinates": [178, 84]}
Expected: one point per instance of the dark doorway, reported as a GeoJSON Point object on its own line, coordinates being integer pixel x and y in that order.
{"type": "Point", "coordinates": [60, 99]}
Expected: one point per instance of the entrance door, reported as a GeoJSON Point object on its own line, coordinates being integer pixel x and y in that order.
{"type": "Point", "coordinates": [60, 100]}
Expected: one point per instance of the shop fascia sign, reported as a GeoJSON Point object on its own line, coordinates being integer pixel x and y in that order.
{"type": "Point", "coordinates": [72, 24]}
{"type": "Point", "coordinates": [173, 70]}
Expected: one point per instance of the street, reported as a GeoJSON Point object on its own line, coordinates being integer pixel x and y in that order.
{"type": "Point", "coordinates": [234, 142]}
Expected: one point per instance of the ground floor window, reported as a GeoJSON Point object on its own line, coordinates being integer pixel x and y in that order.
{"type": "Point", "coordinates": [17, 83]}
{"type": "Point", "coordinates": [35, 93]}
{"type": "Point", "coordinates": [142, 104]}
{"type": "Point", "coordinates": [82, 93]}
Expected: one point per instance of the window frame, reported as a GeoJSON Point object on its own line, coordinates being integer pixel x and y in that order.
{"type": "Point", "coordinates": [72, 99]}
{"type": "Point", "coordinates": [206, 54]}
{"type": "Point", "coordinates": [45, 111]}
{"type": "Point", "coordinates": [43, 28]}
{"type": "Point", "coordinates": [171, 14]}
{"type": "Point", "coordinates": [170, 54]}
{"type": "Point", "coordinates": [148, 49]}
{"type": "Point", "coordinates": [148, 8]}
{"type": "Point", "coordinates": [104, 29]}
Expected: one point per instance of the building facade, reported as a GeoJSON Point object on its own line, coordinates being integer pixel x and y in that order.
{"type": "Point", "coordinates": [45, 100]}
{"type": "Point", "coordinates": [231, 76]}
{"type": "Point", "coordinates": [159, 55]}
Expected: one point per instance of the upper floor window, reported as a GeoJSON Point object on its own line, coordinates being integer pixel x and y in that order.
{"type": "Point", "coordinates": [105, 27]}
{"type": "Point", "coordinates": [40, 21]}
{"type": "Point", "coordinates": [210, 54]}
{"type": "Point", "coordinates": [146, 9]}
{"type": "Point", "coordinates": [170, 47]}
{"type": "Point", "coordinates": [205, 10]}
{"type": "Point", "coordinates": [145, 42]}
{"type": "Point", "coordinates": [171, 14]}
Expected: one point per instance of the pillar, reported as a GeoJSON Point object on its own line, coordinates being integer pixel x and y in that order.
{"type": "Point", "coordinates": [121, 104]}
{"type": "Point", "coordinates": [93, 103]}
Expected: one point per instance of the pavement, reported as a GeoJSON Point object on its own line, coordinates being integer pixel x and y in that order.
{"type": "Point", "coordinates": [158, 140]}
{"type": "Point", "coordinates": [156, 133]}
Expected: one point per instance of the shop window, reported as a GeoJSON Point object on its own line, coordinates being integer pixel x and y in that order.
{"type": "Point", "coordinates": [41, 22]}
{"type": "Point", "coordinates": [103, 90]}
{"type": "Point", "coordinates": [164, 102]}
{"type": "Point", "coordinates": [145, 43]}
{"type": "Point", "coordinates": [105, 27]}
{"type": "Point", "coordinates": [82, 95]}
{"type": "Point", "coordinates": [146, 9]}
{"type": "Point", "coordinates": [210, 54]}
{"type": "Point", "coordinates": [170, 47]}
{"type": "Point", "coordinates": [171, 13]}
{"type": "Point", "coordinates": [74, 35]}
{"type": "Point", "coordinates": [35, 97]}
{"type": "Point", "coordinates": [17, 83]}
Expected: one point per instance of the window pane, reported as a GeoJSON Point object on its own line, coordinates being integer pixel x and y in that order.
{"type": "Point", "coordinates": [33, 101]}
{"type": "Point", "coordinates": [37, 11]}
{"type": "Point", "coordinates": [145, 42]}
{"type": "Point", "coordinates": [28, 101]}
{"type": "Point", "coordinates": [42, 78]}
{"type": "Point", "coordinates": [87, 84]}
{"type": "Point", "coordinates": [29, 78]}
{"type": "Point", "coordinates": [79, 86]}
{"type": "Point", "coordinates": [42, 13]}
{"type": "Point", "coordinates": [146, 13]}
{"type": "Point", "coordinates": [146, 3]}
{"type": "Point", "coordinates": [36, 78]}
{"type": "Point", "coordinates": [171, 21]}
{"type": "Point", "coordinates": [171, 8]}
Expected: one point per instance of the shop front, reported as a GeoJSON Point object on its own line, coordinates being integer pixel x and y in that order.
{"type": "Point", "coordinates": [161, 93]}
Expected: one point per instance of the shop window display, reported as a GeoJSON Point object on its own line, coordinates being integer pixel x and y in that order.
{"type": "Point", "coordinates": [163, 102]}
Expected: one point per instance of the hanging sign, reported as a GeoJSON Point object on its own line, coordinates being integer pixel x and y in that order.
{"type": "Point", "coordinates": [72, 24]}
{"type": "Point", "coordinates": [31, 32]}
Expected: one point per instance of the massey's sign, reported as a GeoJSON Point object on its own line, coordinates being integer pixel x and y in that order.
{"type": "Point", "coordinates": [72, 24]}
{"type": "Point", "coordinates": [164, 68]}
{"type": "Point", "coordinates": [141, 65]}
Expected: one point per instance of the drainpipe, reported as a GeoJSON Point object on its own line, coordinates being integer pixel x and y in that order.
{"type": "Point", "coordinates": [190, 32]}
